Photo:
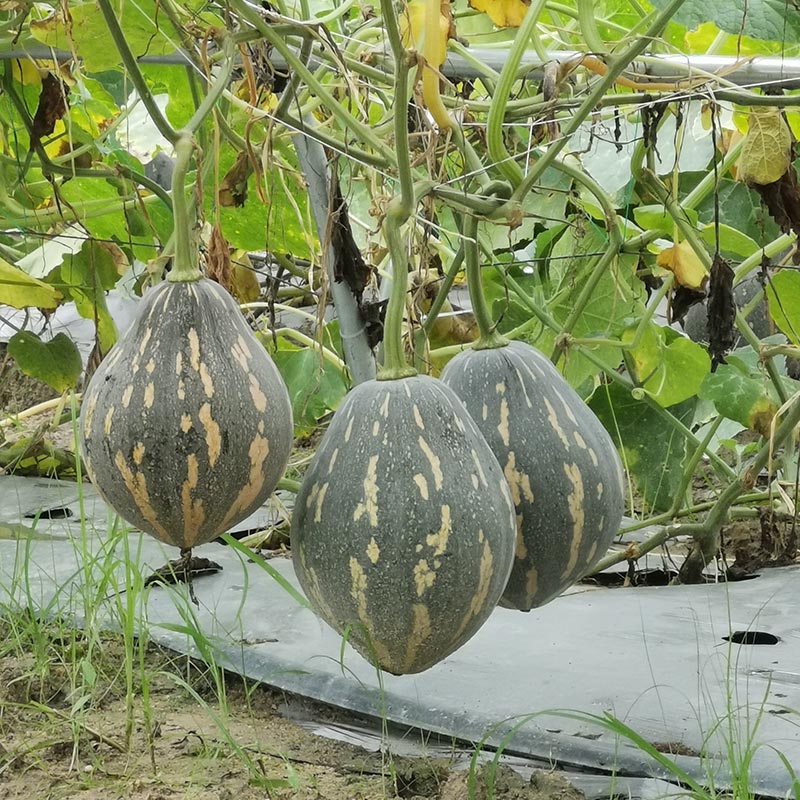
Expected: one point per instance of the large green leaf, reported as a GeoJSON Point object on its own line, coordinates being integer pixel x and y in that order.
{"type": "Point", "coordinates": [732, 242]}
{"type": "Point", "coordinates": [653, 452]}
{"type": "Point", "coordinates": [773, 20]}
{"type": "Point", "coordinates": [20, 290]}
{"type": "Point", "coordinates": [86, 276]}
{"type": "Point", "coordinates": [657, 218]}
{"type": "Point", "coordinates": [57, 362]}
{"type": "Point", "coordinates": [174, 83]}
{"type": "Point", "coordinates": [147, 30]}
{"type": "Point", "coordinates": [315, 386]}
{"type": "Point", "coordinates": [668, 366]}
{"type": "Point", "coordinates": [739, 397]}
{"type": "Point", "coordinates": [616, 296]}
{"type": "Point", "coordinates": [740, 208]}
{"type": "Point", "coordinates": [275, 226]}
{"type": "Point", "coordinates": [97, 193]}
{"type": "Point", "coordinates": [783, 294]}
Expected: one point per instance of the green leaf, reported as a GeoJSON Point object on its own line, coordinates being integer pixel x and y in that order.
{"type": "Point", "coordinates": [315, 386]}
{"type": "Point", "coordinates": [783, 294]}
{"type": "Point", "coordinates": [547, 205]}
{"type": "Point", "coordinates": [146, 31]}
{"type": "Point", "coordinates": [20, 290]}
{"type": "Point", "coordinates": [732, 242]}
{"type": "Point", "coordinates": [616, 296]}
{"type": "Point", "coordinates": [739, 397]}
{"type": "Point", "coordinates": [740, 208]}
{"type": "Point", "coordinates": [656, 218]}
{"type": "Point", "coordinates": [667, 365]}
{"type": "Point", "coordinates": [275, 226]}
{"type": "Point", "coordinates": [772, 20]}
{"type": "Point", "coordinates": [87, 196]}
{"type": "Point", "coordinates": [56, 363]}
{"type": "Point", "coordinates": [86, 276]}
{"type": "Point", "coordinates": [654, 453]}
{"type": "Point", "coordinates": [175, 84]}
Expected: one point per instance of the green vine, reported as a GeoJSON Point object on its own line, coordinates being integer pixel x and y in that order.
{"type": "Point", "coordinates": [489, 338]}
{"type": "Point", "coordinates": [400, 208]}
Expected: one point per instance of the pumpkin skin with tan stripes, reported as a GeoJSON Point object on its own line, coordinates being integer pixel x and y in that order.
{"type": "Point", "coordinates": [186, 426]}
{"type": "Point", "coordinates": [561, 464]}
{"type": "Point", "coordinates": [403, 530]}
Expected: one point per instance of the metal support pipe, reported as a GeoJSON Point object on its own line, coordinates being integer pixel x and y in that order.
{"type": "Point", "coordinates": [752, 72]}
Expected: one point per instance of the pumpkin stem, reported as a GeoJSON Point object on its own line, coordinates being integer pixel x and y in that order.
{"type": "Point", "coordinates": [488, 337]}
{"type": "Point", "coordinates": [185, 268]}
{"type": "Point", "coordinates": [400, 208]}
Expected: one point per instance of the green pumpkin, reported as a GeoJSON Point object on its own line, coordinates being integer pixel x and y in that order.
{"type": "Point", "coordinates": [186, 425]}
{"type": "Point", "coordinates": [403, 530]}
{"type": "Point", "coordinates": [563, 469]}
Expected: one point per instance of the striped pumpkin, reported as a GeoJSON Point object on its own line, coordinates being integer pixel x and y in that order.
{"type": "Point", "coordinates": [561, 464]}
{"type": "Point", "coordinates": [403, 529]}
{"type": "Point", "coordinates": [186, 425]}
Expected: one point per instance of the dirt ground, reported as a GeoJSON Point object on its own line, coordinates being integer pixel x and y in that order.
{"type": "Point", "coordinates": [193, 747]}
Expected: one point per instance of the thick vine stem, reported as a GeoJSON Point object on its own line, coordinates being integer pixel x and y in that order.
{"type": "Point", "coordinates": [706, 533]}
{"type": "Point", "coordinates": [588, 26]}
{"type": "Point", "coordinates": [395, 365]}
{"type": "Point", "coordinates": [363, 132]}
{"type": "Point", "coordinates": [132, 66]}
{"type": "Point", "coordinates": [488, 337]}
{"type": "Point", "coordinates": [616, 66]}
{"type": "Point", "coordinates": [184, 267]}
{"type": "Point", "coordinates": [497, 110]}
{"type": "Point", "coordinates": [400, 207]}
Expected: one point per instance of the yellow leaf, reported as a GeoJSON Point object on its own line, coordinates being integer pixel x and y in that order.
{"type": "Point", "coordinates": [412, 29]}
{"type": "Point", "coordinates": [683, 263]}
{"type": "Point", "coordinates": [793, 118]}
{"type": "Point", "coordinates": [25, 71]}
{"type": "Point", "coordinates": [767, 151]}
{"type": "Point", "coordinates": [57, 141]}
{"type": "Point", "coordinates": [20, 290]}
{"type": "Point", "coordinates": [504, 13]}
{"type": "Point", "coordinates": [245, 280]}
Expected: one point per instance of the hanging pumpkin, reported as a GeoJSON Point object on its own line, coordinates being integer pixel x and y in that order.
{"type": "Point", "coordinates": [560, 463]}
{"type": "Point", "coordinates": [403, 529]}
{"type": "Point", "coordinates": [186, 426]}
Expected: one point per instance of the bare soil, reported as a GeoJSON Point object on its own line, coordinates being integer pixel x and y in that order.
{"type": "Point", "coordinates": [55, 745]}
{"type": "Point", "coordinates": [18, 391]}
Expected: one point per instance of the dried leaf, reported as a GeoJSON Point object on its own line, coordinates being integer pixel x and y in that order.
{"type": "Point", "coordinates": [451, 325]}
{"type": "Point", "coordinates": [504, 13]}
{"type": "Point", "coordinates": [682, 261]}
{"type": "Point", "coordinates": [348, 264]}
{"type": "Point", "coordinates": [721, 311]}
{"type": "Point", "coordinates": [52, 106]}
{"type": "Point", "coordinates": [218, 260]}
{"type": "Point", "coordinates": [782, 199]}
{"type": "Point", "coordinates": [233, 189]}
{"type": "Point", "coordinates": [767, 150]}
{"type": "Point", "coordinates": [682, 300]}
